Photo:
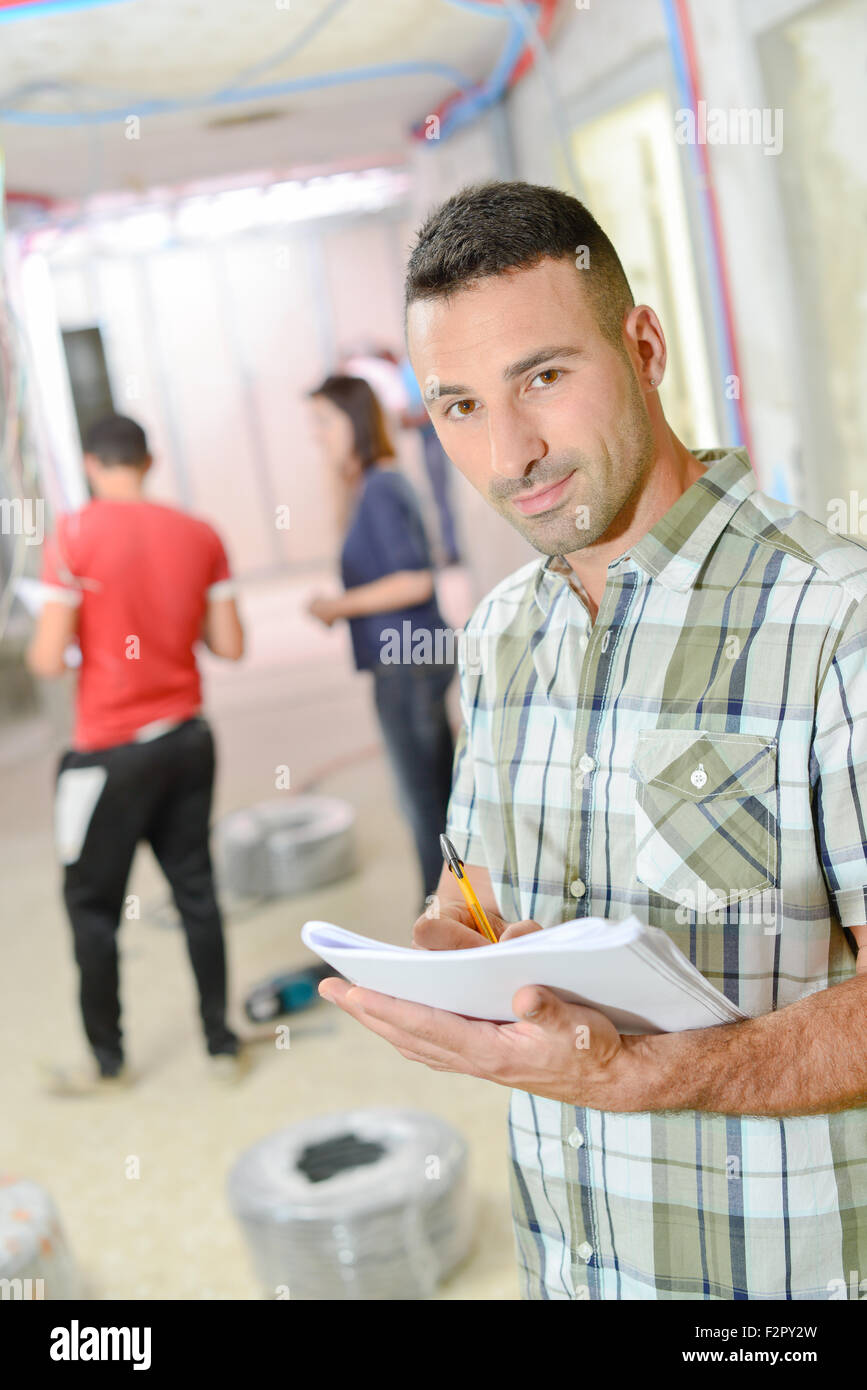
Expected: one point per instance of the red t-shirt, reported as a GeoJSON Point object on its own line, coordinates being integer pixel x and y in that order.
{"type": "Point", "coordinates": [141, 575]}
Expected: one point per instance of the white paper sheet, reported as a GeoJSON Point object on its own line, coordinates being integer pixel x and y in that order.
{"type": "Point", "coordinates": [632, 973]}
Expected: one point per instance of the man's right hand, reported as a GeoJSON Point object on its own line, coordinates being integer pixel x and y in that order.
{"type": "Point", "coordinates": [453, 929]}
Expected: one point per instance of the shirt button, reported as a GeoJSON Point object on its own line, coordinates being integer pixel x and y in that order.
{"type": "Point", "coordinates": [576, 1139]}
{"type": "Point", "coordinates": [586, 763]}
{"type": "Point", "coordinates": [577, 888]}
{"type": "Point", "coordinates": [585, 1251]}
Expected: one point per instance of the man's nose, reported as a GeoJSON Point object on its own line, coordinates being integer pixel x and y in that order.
{"type": "Point", "coordinates": [514, 444]}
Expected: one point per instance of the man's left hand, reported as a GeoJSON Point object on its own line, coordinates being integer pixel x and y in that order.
{"type": "Point", "coordinates": [562, 1051]}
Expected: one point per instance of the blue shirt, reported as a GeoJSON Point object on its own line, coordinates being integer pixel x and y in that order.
{"type": "Point", "coordinates": [386, 535]}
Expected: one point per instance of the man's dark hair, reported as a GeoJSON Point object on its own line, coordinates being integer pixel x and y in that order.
{"type": "Point", "coordinates": [115, 439]}
{"type": "Point", "coordinates": [489, 228]}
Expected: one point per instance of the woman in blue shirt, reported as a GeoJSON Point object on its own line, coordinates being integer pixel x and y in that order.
{"type": "Point", "coordinates": [397, 630]}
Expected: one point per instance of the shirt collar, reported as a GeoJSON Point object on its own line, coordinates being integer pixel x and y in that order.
{"type": "Point", "coordinates": [674, 551]}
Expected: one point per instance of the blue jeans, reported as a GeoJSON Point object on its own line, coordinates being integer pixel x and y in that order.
{"type": "Point", "coordinates": [411, 705]}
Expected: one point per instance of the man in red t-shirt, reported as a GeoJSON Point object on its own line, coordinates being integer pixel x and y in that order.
{"type": "Point", "coordinates": [138, 584]}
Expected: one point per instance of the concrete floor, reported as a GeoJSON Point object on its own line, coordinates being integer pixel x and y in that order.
{"type": "Point", "coordinates": [168, 1234]}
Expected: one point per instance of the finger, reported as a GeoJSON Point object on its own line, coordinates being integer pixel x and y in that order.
{"type": "Point", "coordinates": [449, 933]}
{"type": "Point", "coordinates": [407, 1043]}
{"type": "Point", "coordinates": [334, 989]}
{"type": "Point", "coordinates": [425, 1061]}
{"type": "Point", "coordinates": [542, 1007]}
{"type": "Point", "coordinates": [420, 1027]}
{"type": "Point", "coordinates": [587, 1028]}
{"type": "Point", "coordinates": [348, 998]}
{"type": "Point", "coordinates": [519, 929]}
{"type": "Point", "coordinates": [451, 910]}
{"type": "Point", "coordinates": [440, 1039]}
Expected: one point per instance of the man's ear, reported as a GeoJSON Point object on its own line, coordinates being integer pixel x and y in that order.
{"type": "Point", "coordinates": [148, 464]}
{"type": "Point", "coordinates": [645, 340]}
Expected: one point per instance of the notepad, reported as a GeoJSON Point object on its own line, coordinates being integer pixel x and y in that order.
{"type": "Point", "coordinates": [631, 972]}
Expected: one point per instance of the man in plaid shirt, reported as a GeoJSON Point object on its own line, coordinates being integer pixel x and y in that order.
{"type": "Point", "coordinates": [667, 719]}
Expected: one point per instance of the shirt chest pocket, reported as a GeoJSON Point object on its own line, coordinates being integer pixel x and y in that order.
{"type": "Point", "coordinates": [705, 815]}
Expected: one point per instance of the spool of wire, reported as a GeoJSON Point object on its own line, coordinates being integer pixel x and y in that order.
{"type": "Point", "coordinates": [35, 1260]}
{"type": "Point", "coordinates": [362, 1204]}
{"type": "Point", "coordinates": [285, 846]}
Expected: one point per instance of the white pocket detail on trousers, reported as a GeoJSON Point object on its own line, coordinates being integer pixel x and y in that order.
{"type": "Point", "coordinates": [78, 791]}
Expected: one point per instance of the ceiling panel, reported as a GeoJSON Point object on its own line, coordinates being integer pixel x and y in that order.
{"type": "Point", "coordinates": [116, 57]}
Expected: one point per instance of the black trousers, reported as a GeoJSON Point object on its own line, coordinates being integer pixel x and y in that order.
{"type": "Point", "coordinates": [159, 791]}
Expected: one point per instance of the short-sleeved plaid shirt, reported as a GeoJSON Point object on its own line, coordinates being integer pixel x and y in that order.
{"type": "Point", "coordinates": [697, 756]}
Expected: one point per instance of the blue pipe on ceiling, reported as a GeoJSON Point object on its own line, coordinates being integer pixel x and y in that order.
{"type": "Point", "coordinates": [479, 98]}
{"type": "Point", "coordinates": [152, 107]}
{"type": "Point", "coordinates": [52, 7]}
{"type": "Point", "coordinates": [476, 98]}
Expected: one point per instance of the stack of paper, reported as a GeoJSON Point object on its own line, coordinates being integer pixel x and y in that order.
{"type": "Point", "coordinates": [632, 973]}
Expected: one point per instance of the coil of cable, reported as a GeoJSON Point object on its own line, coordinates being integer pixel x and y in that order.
{"type": "Point", "coordinates": [35, 1259]}
{"type": "Point", "coordinates": [361, 1204]}
{"type": "Point", "coordinates": [285, 846]}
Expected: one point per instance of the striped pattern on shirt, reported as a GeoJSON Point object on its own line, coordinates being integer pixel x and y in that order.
{"type": "Point", "coordinates": [697, 756]}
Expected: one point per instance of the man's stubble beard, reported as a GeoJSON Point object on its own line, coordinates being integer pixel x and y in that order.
{"type": "Point", "coordinates": [610, 489]}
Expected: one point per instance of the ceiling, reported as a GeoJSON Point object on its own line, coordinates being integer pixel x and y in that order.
{"type": "Point", "coordinates": [179, 65]}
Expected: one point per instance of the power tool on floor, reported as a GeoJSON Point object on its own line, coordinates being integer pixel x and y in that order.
{"type": "Point", "coordinates": [286, 994]}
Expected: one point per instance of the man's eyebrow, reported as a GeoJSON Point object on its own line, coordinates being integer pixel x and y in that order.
{"type": "Point", "coordinates": [536, 358]}
{"type": "Point", "coordinates": [510, 372]}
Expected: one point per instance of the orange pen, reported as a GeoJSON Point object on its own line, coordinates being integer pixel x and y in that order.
{"type": "Point", "coordinates": [457, 868]}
